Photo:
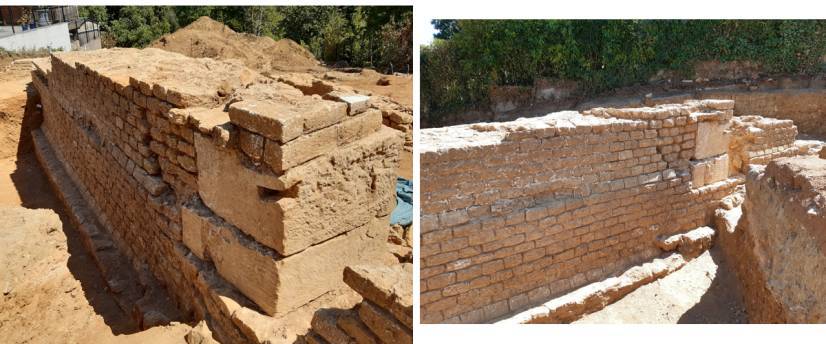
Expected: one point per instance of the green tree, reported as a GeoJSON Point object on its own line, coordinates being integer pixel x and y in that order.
{"type": "Point", "coordinates": [95, 13]}
{"type": "Point", "coordinates": [263, 21]}
{"type": "Point", "coordinates": [137, 26]}
{"type": "Point", "coordinates": [601, 55]}
{"type": "Point", "coordinates": [445, 27]}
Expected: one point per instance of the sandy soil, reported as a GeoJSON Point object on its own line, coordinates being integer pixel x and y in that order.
{"type": "Point", "coordinates": [209, 38]}
{"type": "Point", "coordinates": [400, 87]}
{"type": "Point", "coordinates": [52, 290]}
{"type": "Point", "coordinates": [705, 291]}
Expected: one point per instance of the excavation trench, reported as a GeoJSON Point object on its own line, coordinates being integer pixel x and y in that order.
{"type": "Point", "coordinates": [73, 302]}
{"type": "Point", "coordinates": [189, 217]}
{"type": "Point", "coordinates": [581, 216]}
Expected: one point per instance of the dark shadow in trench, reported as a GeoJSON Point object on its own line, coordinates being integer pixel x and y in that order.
{"type": "Point", "coordinates": [723, 302]}
{"type": "Point", "coordinates": [36, 192]}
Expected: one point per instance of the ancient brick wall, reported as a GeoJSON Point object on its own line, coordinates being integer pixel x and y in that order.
{"type": "Point", "coordinates": [519, 212]}
{"type": "Point", "coordinates": [245, 197]}
{"type": "Point", "coordinates": [758, 140]}
{"type": "Point", "coordinates": [806, 107]}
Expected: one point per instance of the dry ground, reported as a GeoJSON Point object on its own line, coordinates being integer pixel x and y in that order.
{"type": "Point", "coordinates": [209, 38]}
{"type": "Point", "coordinates": [52, 290]}
{"type": "Point", "coordinates": [704, 291]}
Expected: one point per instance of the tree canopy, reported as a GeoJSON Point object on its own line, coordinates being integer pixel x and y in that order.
{"type": "Point", "coordinates": [469, 56]}
{"type": "Point", "coordinates": [344, 35]}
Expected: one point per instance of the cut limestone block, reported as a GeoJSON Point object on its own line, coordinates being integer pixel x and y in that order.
{"type": "Point", "coordinates": [194, 225]}
{"type": "Point", "coordinates": [355, 328]}
{"type": "Point", "coordinates": [708, 171]}
{"type": "Point", "coordinates": [356, 103]}
{"type": "Point", "coordinates": [283, 121]}
{"type": "Point", "coordinates": [389, 287]}
{"type": "Point", "coordinates": [699, 169]}
{"type": "Point", "coordinates": [280, 284]}
{"type": "Point", "coordinates": [324, 323]}
{"type": "Point", "coordinates": [712, 139]}
{"type": "Point", "coordinates": [718, 169]}
{"type": "Point", "coordinates": [282, 157]}
{"type": "Point", "coordinates": [311, 203]}
{"type": "Point", "coordinates": [383, 324]}
{"type": "Point", "coordinates": [690, 244]}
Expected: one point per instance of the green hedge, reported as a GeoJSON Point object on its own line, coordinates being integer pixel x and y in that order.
{"type": "Point", "coordinates": [457, 72]}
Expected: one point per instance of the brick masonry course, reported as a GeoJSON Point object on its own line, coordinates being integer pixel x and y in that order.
{"type": "Point", "coordinates": [517, 213]}
{"type": "Point", "coordinates": [237, 212]}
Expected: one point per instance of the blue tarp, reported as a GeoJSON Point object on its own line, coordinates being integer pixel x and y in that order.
{"type": "Point", "coordinates": [403, 214]}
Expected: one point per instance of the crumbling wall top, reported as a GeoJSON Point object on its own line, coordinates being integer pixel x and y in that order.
{"type": "Point", "coordinates": [804, 174]}
{"type": "Point", "coordinates": [568, 123]}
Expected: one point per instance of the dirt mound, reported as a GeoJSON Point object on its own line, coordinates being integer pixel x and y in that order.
{"type": "Point", "coordinates": [208, 38]}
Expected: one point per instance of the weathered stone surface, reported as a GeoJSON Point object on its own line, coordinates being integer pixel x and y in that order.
{"type": "Point", "coordinates": [355, 328]}
{"type": "Point", "coordinates": [383, 325]}
{"type": "Point", "coordinates": [323, 198]}
{"type": "Point", "coordinates": [200, 334]}
{"type": "Point", "coordinates": [691, 243]}
{"type": "Point", "coordinates": [277, 121]}
{"type": "Point", "coordinates": [133, 135]}
{"type": "Point", "coordinates": [269, 279]}
{"type": "Point", "coordinates": [282, 157]}
{"type": "Point", "coordinates": [359, 127]}
{"type": "Point", "coordinates": [521, 211]}
{"type": "Point", "coordinates": [324, 323]}
{"type": "Point", "coordinates": [785, 216]}
{"type": "Point", "coordinates": [206, 119]}
{"type": "Point", "coordinates": [193, 226]}
{"type": "Point", "coordinates": [284, 120]}
{"type": "Point", "coordinates": [595, 296]}
{"type": "Point", "coordinates": [711, 140]}
{"type": "Point", "coordinates": [356, 103]}
{"type": "Point", "coordinates": [389, 287]}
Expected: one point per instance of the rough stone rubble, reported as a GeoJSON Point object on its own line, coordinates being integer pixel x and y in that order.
{"type": "Point", "coordinates": [243, 196]}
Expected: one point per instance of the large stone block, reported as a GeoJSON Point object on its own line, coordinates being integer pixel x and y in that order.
{"type": "Point", "coordinates": [283, 121]}
{"type": "Point", "coordinates": [390, 287]}
{"type": "Point", "coordinates": [282, 157]}
{"type": "Point", "coordinates": [279, 284]}
{"type": "Point", "coordinates": [328, 196]}
{"type": "Point", "coordinates": [712, 139]}
{"type": "Point", "coordinates": [717, 169]}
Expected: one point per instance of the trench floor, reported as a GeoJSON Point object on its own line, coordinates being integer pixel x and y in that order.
{"type": "Point", "coordinates": [70, 303]}
{"type": "Point", "coordinates": [704, 291]}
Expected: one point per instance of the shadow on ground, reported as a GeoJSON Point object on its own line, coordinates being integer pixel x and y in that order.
{"type": "Point", "coordinates": [36, 192]}
{"type": "Point", "coordinates": [723, 302]}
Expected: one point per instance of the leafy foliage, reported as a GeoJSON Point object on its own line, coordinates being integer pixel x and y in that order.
{"type": "Point", "coordinates": [445, 27]}
{"type": "Point", "coordinates": [345, 35]}
{"type": "Point", "coordinates": [458, 72]}
{"type": "Point", "coordinates": [137, 26]}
